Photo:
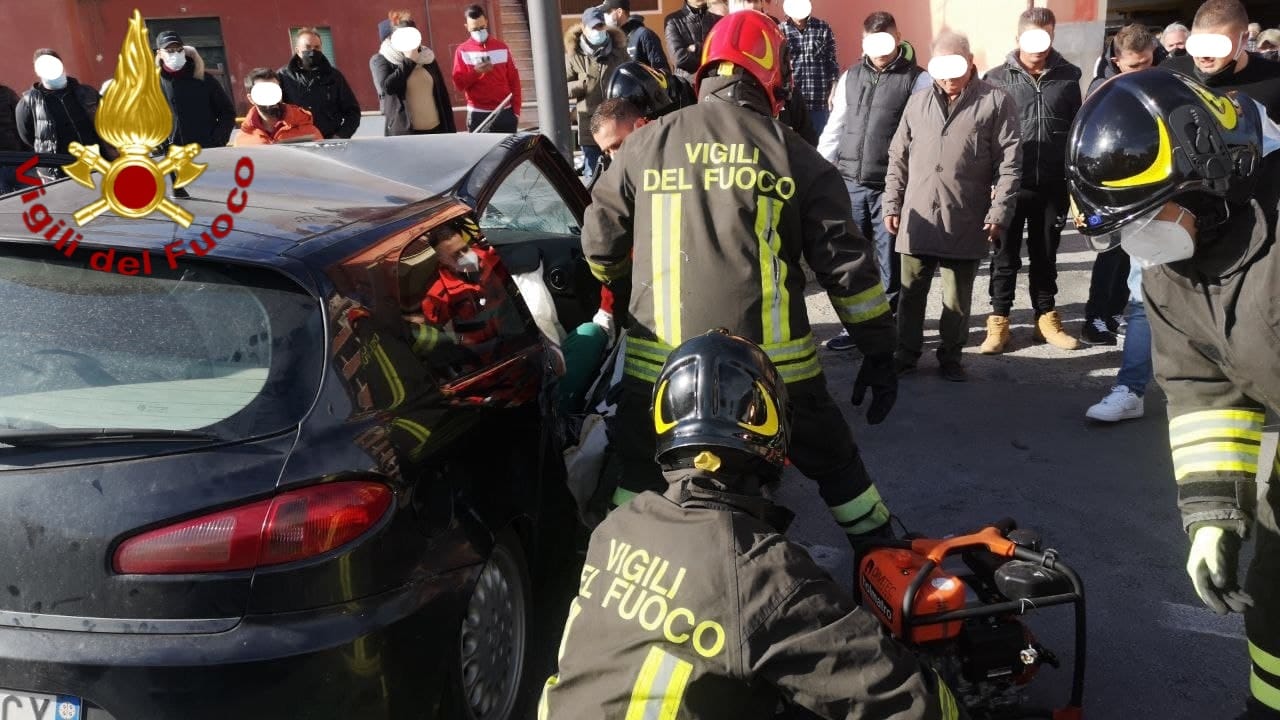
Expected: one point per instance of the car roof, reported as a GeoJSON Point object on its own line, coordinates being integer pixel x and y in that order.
{"type": "Point", "coordinates": [298, 192]}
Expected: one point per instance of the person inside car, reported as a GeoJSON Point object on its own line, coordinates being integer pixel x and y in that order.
{"type": "Point", "coordinates": [468, 297]}
{"type": "Point", "coordinates": [693, 603]}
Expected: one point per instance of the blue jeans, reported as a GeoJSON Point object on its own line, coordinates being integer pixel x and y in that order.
{"type": "Point", "coordinates": [591, 157]}
{"type": "Point", "coordinates": [868, 219]}
{"type": "Point", "coordinates": [818, 119]}
{"type": "Point", "coordinates": [1135, 362]}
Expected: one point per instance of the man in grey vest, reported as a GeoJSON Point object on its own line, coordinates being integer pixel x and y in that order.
{"type": "Point", "coordinates": [866, 105]}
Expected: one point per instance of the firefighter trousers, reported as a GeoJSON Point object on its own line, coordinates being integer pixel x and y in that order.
{"type": "Point", "coordinates": [822, 448]}
{"type": "Point", "coordinates": [1262, 621]}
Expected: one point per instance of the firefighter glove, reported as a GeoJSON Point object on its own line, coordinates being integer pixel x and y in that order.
{"type": "Point", "coordinates": [877, 374]}
{"type": "Point", "coordinates": [1215, 555]}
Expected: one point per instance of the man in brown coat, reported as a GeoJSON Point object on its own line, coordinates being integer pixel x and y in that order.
{"type": "Point", "coordinates": [954, 144]}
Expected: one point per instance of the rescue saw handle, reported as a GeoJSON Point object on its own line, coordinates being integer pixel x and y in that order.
{"type": "Point", "coordinates": [990, 538]}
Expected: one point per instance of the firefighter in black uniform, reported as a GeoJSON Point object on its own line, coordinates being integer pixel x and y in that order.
{"type": "Point", "coordinates": [1176, 167]}
{"type": "Point", "coordinates": [693, 604]}
{"type": "Point", "coordinates": [722, 201]}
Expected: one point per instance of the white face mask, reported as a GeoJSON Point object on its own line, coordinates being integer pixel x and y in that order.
{"type": "Point", "coordinates": [1159, 242]}
{"type": "Point", "coordinates": [610, 20]}
{"type": "Point", "coordinates": [480, 36]}
{"type": "Point", "coordinates": [174, 61]}
{"type": "Point", "coordinates": [468, 262]}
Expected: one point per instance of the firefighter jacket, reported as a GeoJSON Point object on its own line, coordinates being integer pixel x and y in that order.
{"type": "Point", "coordinates": [719, 203]}
{"type": "Point", "coordinates": [693, 605]}
{"type": "Point", "coordinates": [1215, 327]}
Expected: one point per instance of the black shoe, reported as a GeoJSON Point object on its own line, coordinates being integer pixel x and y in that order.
{"type": "Point", "coordinates": [953, 371]}
{"type": "Point", "coordinates": [841, 342]}
{"type": "Point", "coordinates": [1116, 325]}
{"type": "Point", "coordinates": [1096, 332]}
{"type": "Point", "coordinates": [902, 366]}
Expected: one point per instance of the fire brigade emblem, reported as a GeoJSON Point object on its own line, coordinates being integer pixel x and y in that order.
{"type": "Point", "coordinates": [134, 118]}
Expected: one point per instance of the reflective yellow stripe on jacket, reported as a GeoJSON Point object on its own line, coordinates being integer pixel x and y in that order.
{"type": "Point", "coordinates": [861, 514]}
{"type": "Point", "coordinates": [667, 263]}
{"type": "Point", "coordinates": [796, 360]}
{"type": "Point", "coordinates": [866, 305]}
{"type": "Point", "coordinates": [1215, 442]}
{"type": "Point", "coordinates": [659, 687]}
{"type": "Point", "coordinates": [1264, 680]}
{"type": "Point", "coordinates": [775, 303]}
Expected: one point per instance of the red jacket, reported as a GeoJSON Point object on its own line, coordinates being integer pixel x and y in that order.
{"type": "Point", "coordinates": [485, 92]}
{"type": "Point", "coordinates": [475, 307]}
{"type": "Point", "coordinates": [295, 125]}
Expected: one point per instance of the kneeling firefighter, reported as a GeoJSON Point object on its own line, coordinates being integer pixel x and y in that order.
{"type": "Point", "coordinates": [1176, 168]}
{"type": "Point", "coordinates": [693, 604]}
{"type": "Point", "coordinates": [715, 205]}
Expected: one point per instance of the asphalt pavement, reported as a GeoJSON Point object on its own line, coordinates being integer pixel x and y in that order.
{"type": "Point", "coordinates": [1013, 441]}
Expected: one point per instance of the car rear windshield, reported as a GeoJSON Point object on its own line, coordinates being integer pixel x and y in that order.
{"type": "Point", "coordinates": [233, 350]}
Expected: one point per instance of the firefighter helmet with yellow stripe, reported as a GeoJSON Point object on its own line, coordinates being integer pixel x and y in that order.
{"type": "Point", "coordinates": [648, 89]}
{"type": "Point", "coordinates": [719, 400]}
{"type": "Point", "coordinates": [749, 40]}
{"type": "Point", "coordinates": [1145, 137]}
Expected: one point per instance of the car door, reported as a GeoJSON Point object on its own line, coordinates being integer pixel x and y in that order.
{"type": "Point", "coordinates": [530, 206]}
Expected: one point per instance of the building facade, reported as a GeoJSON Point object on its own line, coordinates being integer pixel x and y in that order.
{"type": "Point", "coordinates": [235, 36]}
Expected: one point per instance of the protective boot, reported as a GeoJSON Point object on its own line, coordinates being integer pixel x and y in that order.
{"type": "Point", "coordinates": [997, 335]}
{"type": "Point", "coordinates": [1049, 329]}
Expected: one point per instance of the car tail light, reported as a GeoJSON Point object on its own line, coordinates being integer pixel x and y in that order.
{"type": "Point", "coordinates": [291, 526]}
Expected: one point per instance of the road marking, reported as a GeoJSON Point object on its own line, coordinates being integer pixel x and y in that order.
{"type": "Point", "coordinates": [1201, 620]}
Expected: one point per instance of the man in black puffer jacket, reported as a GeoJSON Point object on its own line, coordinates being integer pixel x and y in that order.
{"type": "Point", "coordinates": [310, 81]}
{"type": "Point", "coordinates": [202, 112]}
{"type": "Point", "coordinates": [686, 31]}
{"type": "Point", "coordinates": [1047, 89]}
{"type": "Point", "coordinates": [55, 112]}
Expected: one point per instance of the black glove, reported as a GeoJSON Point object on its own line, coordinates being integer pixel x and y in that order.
{"type": "Point", "coordinates": [1212, 565]}
{"type": "Point", "coordinates": [876, 373]}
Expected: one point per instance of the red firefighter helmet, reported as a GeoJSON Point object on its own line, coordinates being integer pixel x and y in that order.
{"type": "Point", "coordinates": [751, 41]}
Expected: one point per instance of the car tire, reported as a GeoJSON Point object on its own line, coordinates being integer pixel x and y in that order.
{"type": "Point", "coordinates": [495, 641]}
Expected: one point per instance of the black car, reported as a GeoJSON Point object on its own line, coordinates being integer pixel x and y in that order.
{"type": "Point", "coordinates": [242, 484]}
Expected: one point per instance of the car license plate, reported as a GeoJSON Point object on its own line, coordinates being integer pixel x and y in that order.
{"type": "Point", "coordinates": [19, 705]}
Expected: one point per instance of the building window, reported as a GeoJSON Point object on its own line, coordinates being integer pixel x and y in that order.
{"type": "Point", "coordinates": [577, 7]}
{"type": "Point", "coordinates": [326, 41]}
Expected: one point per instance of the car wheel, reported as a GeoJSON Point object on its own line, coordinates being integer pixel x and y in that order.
{"type": "Point", "coordinates": [494, 649]}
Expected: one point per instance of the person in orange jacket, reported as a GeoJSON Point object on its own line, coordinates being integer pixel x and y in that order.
{"type": "Point", "coordinates": [270, 119]}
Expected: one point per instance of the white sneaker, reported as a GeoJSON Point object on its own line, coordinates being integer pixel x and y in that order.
{"type": "Point", "coordinates": [1121, 404]}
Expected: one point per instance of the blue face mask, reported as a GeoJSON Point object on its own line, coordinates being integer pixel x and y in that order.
{"type": "Point", "coordinates": [597, 37]}
{"type": "Point", "coordinates": [56, 83]}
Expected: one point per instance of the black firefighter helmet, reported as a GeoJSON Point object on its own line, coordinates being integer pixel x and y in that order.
{"type": "Point", "coordinates": [648, 89]}
{"type": "Point", "coordinates": [1145, 137]}
{"type": "Point", "coordinates": [719, 402]}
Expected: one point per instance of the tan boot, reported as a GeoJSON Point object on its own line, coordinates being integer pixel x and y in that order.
{"type": "Point", "coordinates": [997, 335]}
{"type": "Point", "coordinates": [1049, 329]}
